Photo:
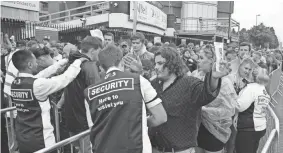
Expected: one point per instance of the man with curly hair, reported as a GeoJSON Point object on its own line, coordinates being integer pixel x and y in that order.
{"type": "Point", "coordinates": [182, 96]}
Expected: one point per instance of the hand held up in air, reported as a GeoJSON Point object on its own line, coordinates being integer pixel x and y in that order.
{"type": "Point", "coordinates": [224, 70]}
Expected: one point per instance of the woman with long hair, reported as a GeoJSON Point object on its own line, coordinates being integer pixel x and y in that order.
{"type": "Point", "coordinates": [251, 106]}
{"type": "Point", "coordinates": [216, 117]}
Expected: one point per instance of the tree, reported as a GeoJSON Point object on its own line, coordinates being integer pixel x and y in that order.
{"type": "Point", "coordinates": [244, 36]}
{"type": "Point", "coordinates": [275, 42]}
{"type": "Point", "coordinates": [260, 36]}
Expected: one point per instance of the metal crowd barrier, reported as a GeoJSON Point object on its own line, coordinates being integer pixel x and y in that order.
{"type": "Point", "coordinates": [65, 142]}
{"type": "Point", "coordinates": [10, 121]}
{"type": "Point", "coordinates": [12, 130]}
{"type": "Point", "coordinates": [269, 143]}
{"type": "Point", "coordinates": [7, 109]}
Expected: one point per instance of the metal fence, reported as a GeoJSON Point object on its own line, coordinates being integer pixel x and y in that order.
{"type": "Point", "coordinates": [75, 13]}
{"type": "Point", "coordinates": [11, 129]}
{"type": "Point", "coordinates": [269, 143]}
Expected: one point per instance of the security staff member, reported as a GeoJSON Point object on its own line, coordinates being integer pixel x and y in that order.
{"type": "Point", "coordinates": [118, 108]}
{"type": "Point", "coordinates": [30, 94]}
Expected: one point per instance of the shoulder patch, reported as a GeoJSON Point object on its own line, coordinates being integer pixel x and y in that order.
{"type": "Point", "coordinates": [110, 86]}
{"type": "Point", "coordinates": [22, 94]}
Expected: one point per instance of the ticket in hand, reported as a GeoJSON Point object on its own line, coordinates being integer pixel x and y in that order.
{"type": "Point", "coordinates": [219, 53]}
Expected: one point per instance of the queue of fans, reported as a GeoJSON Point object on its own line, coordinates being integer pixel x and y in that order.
{"type": "Point", "coordinates": [190, 106]}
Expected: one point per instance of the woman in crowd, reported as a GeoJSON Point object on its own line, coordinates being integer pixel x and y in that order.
{"type": "Point", "coordinates": [271, 63]}
{"type": "Point", "coordinates": [239, 80]}
{"type": "Point", "coordinates": [216, 117]}
{"type": "Point", "coordinates": [251, 121]}
{"type": "Point", "coordinates": [244, 74]}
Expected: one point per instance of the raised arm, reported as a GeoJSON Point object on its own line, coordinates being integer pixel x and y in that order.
{"type": "Point", "coordinates": [202, 92]}
{"type": "Point", "coordinates": [49, 71]}
{"type": "Point", "coordinates": [43, 87]}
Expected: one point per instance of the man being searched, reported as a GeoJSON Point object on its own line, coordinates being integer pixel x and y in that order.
{"type": "Point", "coordinates": [118, 106]}
{"type": "Point", "coordinates": [30, 94]}
{"type": "Point", "coordinates": [182, 96]}
{"type": "Point", "coordinates": [75, 108]}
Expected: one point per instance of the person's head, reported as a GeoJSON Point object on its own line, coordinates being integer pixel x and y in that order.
{"type": "Point", "coordinates": [230, 55]}
{"type": "Point", "coordinates": [245, 49]}
{"type": "Point", "coordinates": [182, 47]}
{"type": "Point", "coordinates": [262, 76]}
{"type": "Point", "coordinates": [21, 45]}
{"type": "Point", "coordinates": [154, 49]}
{"type": "Point", "coordinates": [246, 67]}
{"type": "Point", "coordinates": [32, 44]}
{"type": "Point", "coordinates": [137, 41]}
{"type": "Point", "coordinates": [236, 49]}
{"type": "Point", "coordinates": [45, 41]}
{"type": "Point", "coordinates": [197, 48]}
{"type": "Point", "coordinates": [109, 38]}
{"type": "Point", "coordinates": [168, 63]}
{"type": "Point", "coordinates": [91, 46]}
{"type": "Point", "coordinates": [55, 49]}
{"type": "Point", "coordinates": [278, 55]}
{"type": "Point", "coordinates": [69, 49]}
{"type": "Point", "coordinates": [256, 57]}
{"type": "Point", "coordinates": [25, 61]}
{"type": "Point", "coordinates": [172, 45]}
{"type": "Point", "coordinates": [158, 44]}
{"type": "Point", "coordinates": [110, 56]}
{"type": "Point", "coordinates": [124, 47]}
{"type": "Point", "coordinates": [149, 45]}
{"type": "Point", "coordinates": [206, 59]}
{"type": "Point", "coordinates": [187, 53]}
{"type": "Point", "coordinates": [43, 57]}
{"type": "Point", "coordinates": [12, 38]}
{"type": "Point", "coordinates": [147, 68]}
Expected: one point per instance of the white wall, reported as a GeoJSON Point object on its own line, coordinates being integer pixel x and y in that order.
{"type": "Point", "coordinates": [192, 11]}
{"type": "Point", "coordinates": [120, 20]}
{"type": "Point", "coordinates": [89, 20]}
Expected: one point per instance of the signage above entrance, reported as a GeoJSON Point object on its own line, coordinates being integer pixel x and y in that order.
{"type": "Point", "coordinates": [149, 14]}
{"type": "Point", "coordinates": [25, 5]}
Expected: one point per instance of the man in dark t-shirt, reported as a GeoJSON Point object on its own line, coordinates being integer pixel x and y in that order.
{"type": "Point", "coordinates": [76, 110]}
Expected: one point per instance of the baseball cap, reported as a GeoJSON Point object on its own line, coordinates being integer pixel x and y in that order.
{"type": "Point", "coordinates": [97, 33]}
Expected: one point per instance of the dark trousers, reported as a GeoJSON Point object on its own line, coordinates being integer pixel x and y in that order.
{"type": "Point", "coordinates": [4, 135]}
{"type": "Point", "coordinates": [248, 141]}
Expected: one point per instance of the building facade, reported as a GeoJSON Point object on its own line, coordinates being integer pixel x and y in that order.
{"type": "Point", "coordinates": [207, 20]}
{"type": "Point", "coordinates": [18, 18]}
{"type": "Point", "coordinates": [203, 20]}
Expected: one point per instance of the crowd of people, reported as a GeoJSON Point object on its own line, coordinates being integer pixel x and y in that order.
{"type": "Point", "coordinates": [136, 96]}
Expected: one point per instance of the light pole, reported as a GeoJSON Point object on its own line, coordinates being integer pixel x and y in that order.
{"type": "Point", "coordinates": [256, 19]}
{"type": "Point", "coordinates": [135, 17]}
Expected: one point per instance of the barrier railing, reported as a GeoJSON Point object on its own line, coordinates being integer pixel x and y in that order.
{"type": "Point", "coordinates": [65, 142]}
{"type": "Point", "coordinates": [57, 124]}
{"type": "Point", "coordinates": [7, 109]}
{"type": "Point", "coordinates": [269, 143]}
{"type": "Point", "coordinates": [10, 129]}
{"type": "Point", "coordinates": [72, 14]}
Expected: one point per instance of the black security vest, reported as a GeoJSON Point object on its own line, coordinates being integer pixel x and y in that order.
{"type": "Point", "coordinates": [29, 124]}
{"type": "Point", "coordinates": [116, 110]}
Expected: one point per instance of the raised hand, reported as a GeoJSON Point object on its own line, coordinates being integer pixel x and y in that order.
{"type": "Point", "coordinates": [224, 70]}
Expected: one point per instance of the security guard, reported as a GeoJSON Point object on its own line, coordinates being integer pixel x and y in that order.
{"type": "Point", "coordinates": [30, 94]}
{"type": "Point", "coordinates": [118, 108]}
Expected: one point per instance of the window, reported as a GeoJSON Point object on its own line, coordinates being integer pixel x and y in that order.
{"type": "Point", "coordinates": [43, 6]}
